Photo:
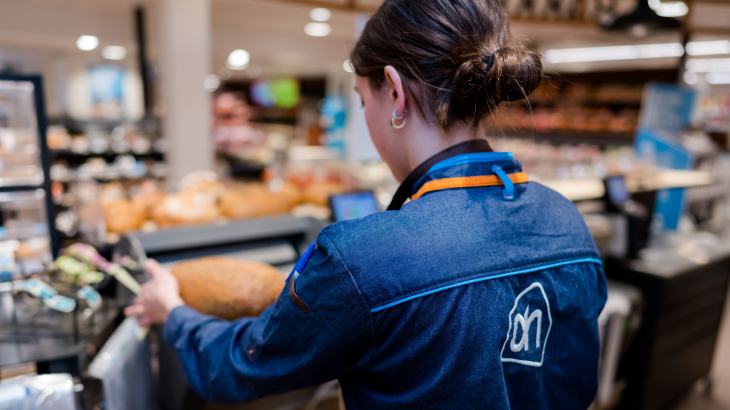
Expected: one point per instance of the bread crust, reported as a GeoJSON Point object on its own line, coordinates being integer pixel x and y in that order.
{"type": "Point", "coordinates": [256, 201]}
{"type": "Point", "coordinates": [122, 216]}
{"type": "Point", "coordinates": [227, 288]}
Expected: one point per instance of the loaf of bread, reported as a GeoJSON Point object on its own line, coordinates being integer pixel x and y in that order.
{"type": "Point", "coordinates": [256, 201]}
{"type": "Point", "coordinates": [211, 188]}
{"type": "Point", "coordinates": [227, 288]}
{"type": "Point", "coordinates": [185, 208]}
{"type": "Point", "coordinates": [122, 216]}
{"type": "Point", "coordinates": [149, 197]}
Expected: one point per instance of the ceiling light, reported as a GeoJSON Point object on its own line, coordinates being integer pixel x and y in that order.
{"type": "Point", "coordinates": [722, 77]}
{"type": "Point", "coordinates": [347, 65]}
{"type": "Point", "coordinates": [646, 18]}
{"type": "Point", "coordinates": [211, 82]}
{"type": "Point", "coordinates": [317, 29]}
{"type": "Point", "coordinates": [672, 9]}
{"type": "Point", "coordinates": [576, 55]}
{"type": "Point", "coordinates": [114, 52]}
{"type": "Point", "coordinates": [87, 43]}
{"type": "Point", "coordinates": [320, 14]}
{"type": "Point", "coordinates": [706, 48]}
{"type": "Point", "coordinates": [704, 65]}
{"type": "Point", "coordinates": [660, 50]}
{"type": "Point", "coordinates": [238, 59]}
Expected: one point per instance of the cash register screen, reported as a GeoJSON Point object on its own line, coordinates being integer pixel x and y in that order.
{"type": "Point", "coordinates": [353, 206]}
{"type": "Point", "coordinates": [617, 192]}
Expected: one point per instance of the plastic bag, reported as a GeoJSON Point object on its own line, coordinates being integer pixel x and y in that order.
{"type": "Point", "coordinates": [124, 367]}
{"type": "Point", "coordinates": [44, 392]}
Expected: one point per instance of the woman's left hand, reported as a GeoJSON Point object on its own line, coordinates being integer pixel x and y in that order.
{"type": "Point", "coordinates": [159, 296]}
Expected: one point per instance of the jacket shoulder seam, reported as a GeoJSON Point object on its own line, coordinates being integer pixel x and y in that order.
{"type": "Point", "coordinates": [359, 291]}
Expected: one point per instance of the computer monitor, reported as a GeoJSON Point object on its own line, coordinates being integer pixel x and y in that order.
{"type": "Point", "coordinates": [355, 205]}
{"type": "Point", "coordinates": [616, 191]}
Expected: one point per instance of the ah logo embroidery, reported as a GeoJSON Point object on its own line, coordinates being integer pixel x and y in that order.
{"type": "Point", "coordinates": [530, 322]}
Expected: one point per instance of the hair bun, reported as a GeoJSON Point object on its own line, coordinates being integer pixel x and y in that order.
{"type": "Point", "coordinates": [445, 54]}
{"type": "Point", "coordinates": [486, 79]}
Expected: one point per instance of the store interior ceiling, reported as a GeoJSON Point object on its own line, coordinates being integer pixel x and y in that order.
{"type": "Point", "coordinates": [272, 31]}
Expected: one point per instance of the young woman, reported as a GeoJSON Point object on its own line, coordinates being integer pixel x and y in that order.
{"type": "Point", "coordinates": [482, 292]}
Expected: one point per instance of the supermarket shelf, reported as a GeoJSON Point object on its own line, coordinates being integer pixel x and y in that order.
{"type": "Point", "coordinates": [566, 137]}
{"type": "Point", "coordinates": [14, 182]}
{"type": "Point", "coordinates": [33, 185]}
{"type": "Point", "coordinates": [69, 153]}
{"type": "Point", "coordinates": [74, 158]}
{"type": "Point", "coordinates": [584, 104]}
{"type": "Point", "coordinates": [586, 189]}
{"type": "Point", "coordinates": [14, 188]}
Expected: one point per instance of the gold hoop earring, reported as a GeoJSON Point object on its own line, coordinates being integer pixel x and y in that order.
{"type": "Point", "coordinates": [396, 117]}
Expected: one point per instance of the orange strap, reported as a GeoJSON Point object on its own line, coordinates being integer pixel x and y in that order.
{"type": "Point", "coordinates": [467, 182]}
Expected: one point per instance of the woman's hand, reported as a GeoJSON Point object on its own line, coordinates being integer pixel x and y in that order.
{"type": "Point", "coordinates": [159, 297]}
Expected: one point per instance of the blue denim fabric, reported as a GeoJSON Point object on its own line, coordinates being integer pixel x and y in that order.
{"type": "Point", "coordinates": [459, 300]}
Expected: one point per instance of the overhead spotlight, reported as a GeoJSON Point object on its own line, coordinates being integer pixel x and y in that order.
{"type": "Point", "coordinates": [238, 59]}
{"type": "Point", "coordinates": [706, 48]}
{"type": "Point", "coordinates": [211, 82]}
{"type": "Point", "coordinates": [114, 52]}
{"type": "Point", "coordinates": [647, 18]}
{"type": "Point", "coordinates": [317, 29]}
{"type": "Point", "coordinates": [347, 65]}
{"type": "Point", "coordinates": [614, 53]}
{"type": "Point", "coordinates": [672, 9]}
{"type": "Point", "coordinates": [87, 43]}
{"type": "Point", "coordinates": [320, 14]}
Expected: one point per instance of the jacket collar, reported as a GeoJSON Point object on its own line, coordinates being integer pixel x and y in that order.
{"type": "Point", "coordinates": [405, 190]}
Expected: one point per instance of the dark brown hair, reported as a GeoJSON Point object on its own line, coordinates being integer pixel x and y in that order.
{"type": "Point", "coordinates": [453, 51]}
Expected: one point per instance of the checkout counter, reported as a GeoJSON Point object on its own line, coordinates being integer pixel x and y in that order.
{"type": "Point", "coordinates": [667, 293]}
{"type": "Point", "coordinates": [684, 284]}
{"type": "Point", "coordinates": [672, 293]}
{"type": "Point", "coordinates": [275, 241]}
{"type": "Point", "coordinates": [106, 357]}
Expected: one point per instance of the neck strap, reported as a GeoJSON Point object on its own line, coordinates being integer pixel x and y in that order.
{"type": "Point", "coordinates": [405, 188]}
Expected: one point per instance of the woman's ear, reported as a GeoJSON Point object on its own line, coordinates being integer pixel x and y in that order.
{"type": "Point", "coordinates": [396, 91]}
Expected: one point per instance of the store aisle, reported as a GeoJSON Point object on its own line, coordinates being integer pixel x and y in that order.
{"type": "Point", "coordinates": [720, 398]}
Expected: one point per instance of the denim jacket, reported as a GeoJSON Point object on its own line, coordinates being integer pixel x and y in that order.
{"type": "Point", "coordinates": [465, 298]}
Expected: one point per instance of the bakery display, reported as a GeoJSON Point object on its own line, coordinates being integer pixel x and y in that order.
{"type": "Point", "coordinates": [228, 288]}
{"type": "Point", "coordinates": [203, 198]}
{"type": "Point", "coordinates": [185, 208]}
{"type": "Point", "coordinates": [256, 200]}
{"type": "Point", "coordinates": [149, 196]}
{"type": "Point", "coordinates": [196, 203]}
{"type": "Point", "coordinates": [122, 215]}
